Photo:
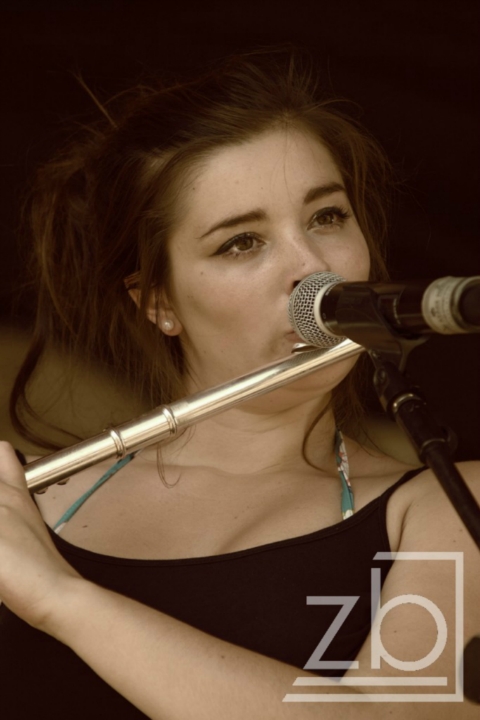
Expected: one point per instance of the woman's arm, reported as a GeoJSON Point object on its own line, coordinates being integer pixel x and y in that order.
{"type": "Point", "coordinates": [433, 596]}
{"type": "Point", "coordinates": [171, 670]}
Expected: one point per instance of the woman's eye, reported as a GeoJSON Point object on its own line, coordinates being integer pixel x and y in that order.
{"type": "Point", "coordinates": [239, 245]}
{"type": "Point", "coordinates": [331, 216]}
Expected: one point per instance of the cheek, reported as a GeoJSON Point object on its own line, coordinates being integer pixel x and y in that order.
{"type": "Point", "coordinates": [360, 259]}
{"type": "Point", "coordinates": [201, 301]}
{"type": "Point", "coordinates": [363, 266]}
{"type": "Point", "coordinates": [353, 262]}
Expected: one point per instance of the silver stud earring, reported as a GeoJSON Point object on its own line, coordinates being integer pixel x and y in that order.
{"type": "Point", "coordinates": [167, 325]}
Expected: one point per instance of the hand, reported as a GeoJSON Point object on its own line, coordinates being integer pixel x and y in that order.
{"type": "Point", "coordinates": [33, 575]}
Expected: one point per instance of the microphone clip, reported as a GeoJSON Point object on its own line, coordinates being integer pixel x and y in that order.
{"type": "Point", "coordinates": [359, 317]}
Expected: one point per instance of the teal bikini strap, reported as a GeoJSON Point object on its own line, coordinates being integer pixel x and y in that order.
{"type": "Point", "coordinates": [78, 503]}
{"type": "Point", "coordinates": [347, 503]}
{"type": "Point", "coordinates": [344, 473]}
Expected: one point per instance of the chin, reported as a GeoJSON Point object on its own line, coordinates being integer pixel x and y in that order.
{"type": "Point", "coordinates": [325, 379]}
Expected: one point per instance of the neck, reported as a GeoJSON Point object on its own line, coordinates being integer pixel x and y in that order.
{"type": "Point", "coordinates": [258, 437]}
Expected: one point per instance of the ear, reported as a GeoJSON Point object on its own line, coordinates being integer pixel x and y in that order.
{"type": "Point", "coordinates": [159, 311]}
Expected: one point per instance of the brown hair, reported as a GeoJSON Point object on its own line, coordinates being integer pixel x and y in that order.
{"type": "Point", "coordinates": [105, 206]}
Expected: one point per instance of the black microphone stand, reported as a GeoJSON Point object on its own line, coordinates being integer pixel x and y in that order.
{"type": "Point", "coordinates": [361, 320]}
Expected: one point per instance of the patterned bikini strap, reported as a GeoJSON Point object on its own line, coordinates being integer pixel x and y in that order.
{"type": "Point", "coordinates": [344, 473]}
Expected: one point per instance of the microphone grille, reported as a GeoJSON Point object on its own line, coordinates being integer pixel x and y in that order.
{"type": "Point", "coordinates": [301, 309]}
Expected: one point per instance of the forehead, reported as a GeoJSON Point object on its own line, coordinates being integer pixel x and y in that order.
{"type": "Point", "coordinates": [275, 168]}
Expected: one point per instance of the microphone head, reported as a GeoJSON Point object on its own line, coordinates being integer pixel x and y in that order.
{"type": "Point", "coordinates": [301, 309]}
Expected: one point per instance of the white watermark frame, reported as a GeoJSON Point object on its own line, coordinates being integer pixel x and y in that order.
{"type": "Point", "coordinates": [378, 651]}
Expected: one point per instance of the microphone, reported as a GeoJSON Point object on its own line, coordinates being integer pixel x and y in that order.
{"type": "Point", "coordinates": [448, 306]}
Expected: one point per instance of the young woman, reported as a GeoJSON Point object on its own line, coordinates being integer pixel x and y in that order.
{"type": "Point", "coordinates": [167, 244]}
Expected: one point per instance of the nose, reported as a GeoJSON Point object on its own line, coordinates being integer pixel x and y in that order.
{"type": "Point", "coordinates": [303, 257]}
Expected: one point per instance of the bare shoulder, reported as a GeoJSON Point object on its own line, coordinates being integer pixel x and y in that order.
{"type": "Point", "coordinates": [419, 513]}
{"type": "Point", "coordinates": [431, 522]}
{"type": "Point", "coordinates": [428, 496]}
{"type": "Point", "coordinates": [58, 498]}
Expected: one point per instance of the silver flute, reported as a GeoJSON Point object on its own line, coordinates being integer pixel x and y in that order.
{"type": "Point", "coordinates": [166, 421]}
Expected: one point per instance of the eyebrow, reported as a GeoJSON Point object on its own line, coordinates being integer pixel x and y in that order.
{"type": "Point", "coordinates": [315, 193]}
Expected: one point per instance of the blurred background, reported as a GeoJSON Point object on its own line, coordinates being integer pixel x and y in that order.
{"type": "Point", "coordinates": [411, 66]}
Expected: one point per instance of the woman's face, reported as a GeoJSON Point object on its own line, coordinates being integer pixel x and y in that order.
{"type": "Point", "coordinates": [256, 219]}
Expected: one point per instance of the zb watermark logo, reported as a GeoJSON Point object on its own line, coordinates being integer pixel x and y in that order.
{"type": "Point", "coordinates": [378, 651]}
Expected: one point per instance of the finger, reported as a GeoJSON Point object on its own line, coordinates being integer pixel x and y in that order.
{"type": "Point", "coordinates": [11, 470]}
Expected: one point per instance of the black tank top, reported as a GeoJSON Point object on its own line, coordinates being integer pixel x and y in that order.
{"type": "Point", "coordinates": [255, 598]}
